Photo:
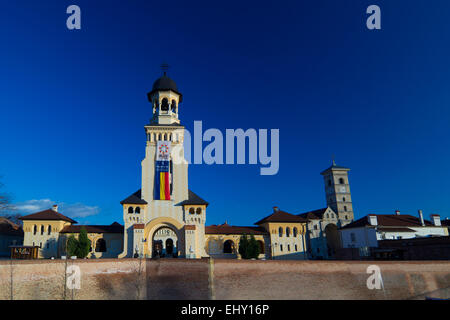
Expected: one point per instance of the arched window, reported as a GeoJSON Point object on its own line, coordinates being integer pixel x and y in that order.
{"type": "Point", "coordinates": [165, 104]}
{"type": "Point", "coordinates": [341, 181]}
{"type": "Point", "coordinates": [159, 137]}
{"type": "Point", "coordinates": [130, 210]}
{"type": "Point", "coordinates": [280, 231]}
{"type": "Point", "coordinates": [49, 229]}
{"type": "Point", "coordinates": [191, 211]}
{"type": "Point", "coordinates": [346, 217]}
{"type": "Point", "coordinates": [100, 245]}
{"type": "Point", "coordinates": [295, 232]}
{"type": "Point", "coordinates": [328, 216]}
{"type": "Point", "coordinates": [137, 210]}
{"type": "Point", "coordinates": [343, 199]}
{"type": "Point", "coordinates": [345, 208]}
{"type": "Point", "coordinates": [174, 106]}
{"type": "Point", "coordinates": [288, 232]}
{"type": "Point", "coordinates": [228, 246]}
{"type": "Point", "coordinates": [281, 247]}
{"type": "Point", "coordinates": [296, 248]}
{"type": "Point", "coordinates": [42, 230]}
{"type": "Point", "coordinates": [199, 210]}
{"type": "Point", "coordinates": [34, 230]}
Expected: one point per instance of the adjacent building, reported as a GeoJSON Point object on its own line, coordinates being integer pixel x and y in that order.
{"type": "Point", "coordinates": [11, 234]}
{"type": "Point", "coordinates": [369, 230]}
{"type": "Point", "coordinates": [49, 230]}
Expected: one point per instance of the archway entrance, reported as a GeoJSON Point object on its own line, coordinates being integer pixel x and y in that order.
{"type": "Point", "coordinates": [165, 243]}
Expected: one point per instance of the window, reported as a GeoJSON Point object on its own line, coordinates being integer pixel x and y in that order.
{"type": "Point", "coordinates": [288, 232]}
{"type": "Point", "coordinates": [199, 210]}
{"type": "Point", "coordinates": [100, 245]}
{"type": "Point", "coordinates": [48, 245]}
{"type": "Point", "coordinates": [281, 247]}
{"type": "Point", "coordinates": [49, 229]}
{"type": "Point", "coordinates": [289, 247]}
{"type": "Point", "coordinates": [343, 199]}
{"type": "Point", "coordinates": [345, 208]}
{"type": "Point", "coordinates": [40, 245]}
{"type": "Point", "coordinates": [228, 246]}
{"type": "Point", "coordinates": [296, 248]}
{"type": "Point", "coordinates": [34, 231]}
{"type": "Point", "coordinates": [328, 215]}
{"type": "Point", "coordinates": [165, 104]}
{"type": "Point", "coordinates": [352, 237]}
{"type": "Point", "coordinates": [280, 231]}
{"type": "Point", "coordinates": [174, 106]}
{"type": "Point", "coordinates": [191, 211]}
{"type": "Point", "coordinates": [346, 217]}
{"type": "Point", "coordinates": [295, 232]}
{"type": "Point", "coordinates": [130, 210]}
{"type": "Point", "coordinates": [315, 227]}
{"type": "Point", "coordinates": [341, 181]}
{"type": "Point", "coordinates": [137, 210]}
{"type": "Point", "coordinates": [42, 230]}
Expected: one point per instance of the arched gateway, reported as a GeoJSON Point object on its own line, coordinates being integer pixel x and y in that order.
{"type": "Point", "coordinates": [170, 219]}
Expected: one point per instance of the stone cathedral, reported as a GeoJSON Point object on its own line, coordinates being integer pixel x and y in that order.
{"type": "Point", "coordinates": [165, 218]}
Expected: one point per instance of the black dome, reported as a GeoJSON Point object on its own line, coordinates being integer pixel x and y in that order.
{"type": "Point", "coordinates": [165, 83]}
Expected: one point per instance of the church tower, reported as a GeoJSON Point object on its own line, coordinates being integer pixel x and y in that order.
{"type": "Point", "coordinates": [164, 218]}
{"type": "Point", "coordinates": [337, 191]}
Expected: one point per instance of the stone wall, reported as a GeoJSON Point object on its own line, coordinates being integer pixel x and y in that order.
{"type": "Point", "coordinates": [223, 279]}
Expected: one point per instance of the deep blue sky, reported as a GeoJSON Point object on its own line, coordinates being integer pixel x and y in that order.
{"type": "Point", "coordinates": [73, 103]}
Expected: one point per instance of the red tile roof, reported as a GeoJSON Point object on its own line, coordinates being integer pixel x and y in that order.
{"type": "Point", "coordinates": [227, 229]}
{"type": "Point", "coordinates": [314, 215]}
{"type": "Point", "coordinates": [47, 215]}
{"type": "Point", "coordinates": [390, 220]}
{"type": "Point", "coordinates": [281, 216]}
{"type": "Point", "coordinates": [113, 228]}
{"type": "Point", "coordinates": [9, 228]}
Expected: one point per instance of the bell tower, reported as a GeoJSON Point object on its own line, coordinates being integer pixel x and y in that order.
{"type": "Point", "coordinates": [337, 191]}
{"type": "Point", "coordinates": [165, 127]}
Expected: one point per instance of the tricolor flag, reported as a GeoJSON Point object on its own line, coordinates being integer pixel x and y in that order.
{"type": "Point", "coordinates": [162, 179]}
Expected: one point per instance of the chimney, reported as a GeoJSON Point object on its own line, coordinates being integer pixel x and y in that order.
{"type": "Point", "coordinates": [372, 219]}
{"type": "Point", "coordinates": [397, 212]}
{"type": "Point", "coordinates": [421, 218]}
{"type": "Point", "coordinates": [436, 220]}
{"type": "Point", "coordinates": [55, 208]}
{"type": "Point", "coordinates": [275, 209]}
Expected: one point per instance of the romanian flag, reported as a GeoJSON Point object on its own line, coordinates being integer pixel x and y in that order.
{"type": "Point", "coordinates": [162, 174]}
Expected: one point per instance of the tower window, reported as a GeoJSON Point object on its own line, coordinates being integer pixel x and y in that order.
{"type": "Point", "coordinates": [165, 104]}
{"type": "Point", "coordinates": [191, 211]}
{"type": "Point", "coordinates": [130, 210]}
{"type": "Point", "coordinates": [343, 199]}
{"type": "Point", "coordinates": [341, 181]}
{"type": "Point", "coordinates": [138, 210]}
{"type": "Point", "coordinates": [345, 208]}
{"type": "Point", "coordinates": [174, 106]}
{"type": "Point", "coordinates": [199, 210]}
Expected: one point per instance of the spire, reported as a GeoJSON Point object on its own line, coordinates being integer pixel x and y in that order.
{"type": "Point", "coordinates": [165, 67]}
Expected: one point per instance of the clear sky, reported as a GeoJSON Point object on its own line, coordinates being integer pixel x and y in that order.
{"type": "Point", "coordinates": [73, 103]}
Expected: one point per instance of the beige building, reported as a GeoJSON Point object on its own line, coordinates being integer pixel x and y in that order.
{"type": "Point", "coordinates": [49, 230]}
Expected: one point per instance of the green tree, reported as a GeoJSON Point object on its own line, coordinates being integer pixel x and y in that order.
{"type": "Point", "coordinates": [79, 247]}
{"type": "Point", "coordinates": [72, 246]}
{"type": "Point", "coordinates": [248, 248]}
{"type": "Point", "coordinates": [84, 244]}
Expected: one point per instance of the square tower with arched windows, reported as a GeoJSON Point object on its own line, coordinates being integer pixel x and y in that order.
{"type": "Point", "coordinates": [337, 191]}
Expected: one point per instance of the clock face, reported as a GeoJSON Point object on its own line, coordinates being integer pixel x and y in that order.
{"type": "Point", "coordinates": [342, 189]}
